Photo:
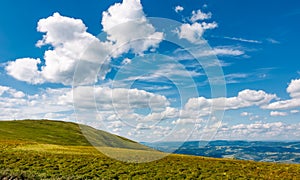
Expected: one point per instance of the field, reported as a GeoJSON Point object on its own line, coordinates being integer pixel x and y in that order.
{"type": "Point", "coordinates": [35, 159]}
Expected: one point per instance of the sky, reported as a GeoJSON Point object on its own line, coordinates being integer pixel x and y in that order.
{"type": "Point", "coordinates": [169, 70]}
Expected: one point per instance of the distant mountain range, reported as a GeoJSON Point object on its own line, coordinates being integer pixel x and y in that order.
{"type": "Point", "coordinates": [283, 152]}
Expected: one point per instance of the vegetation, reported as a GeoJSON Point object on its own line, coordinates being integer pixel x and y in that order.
{"type": "Point", "coordinates": [36, 157]}
{"type": "Point", "coordinates": [62, 133]}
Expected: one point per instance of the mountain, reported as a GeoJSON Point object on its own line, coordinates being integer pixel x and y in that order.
{"type": "Point", "coordinates": [62, 133]}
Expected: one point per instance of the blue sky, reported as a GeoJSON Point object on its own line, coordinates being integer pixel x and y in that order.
{"type": "Point", "coordinates": [150, 88]}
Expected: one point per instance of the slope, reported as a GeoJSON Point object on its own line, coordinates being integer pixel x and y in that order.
{"type": "Point", "coordinates": [62, 133]}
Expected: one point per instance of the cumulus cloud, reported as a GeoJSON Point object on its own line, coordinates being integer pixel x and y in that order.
{"type": "Point", "coordinates": [72, 45]}
{"type": "Point", "coordinates": [115, 105]}
{"type": "Point", "coordinates": [111, 104]}
{"type": "Point", "coordinates": [178, 9]}
{"type": "Point", "coordinates": [294, 91]}
{"type": "Point", "coordinates": [119, 99]}
{"type": "Point", "coordinates": [199, 15]}
{"type": "Point", "coordinates": [294, 88]}
{"type": "Point", "coordinates": [25, 69]}
{"type": "Point", "coordinates": [120, 103]}
{"type": "Point", "coordinates": [245, 98]}
{"type": "Point", "coordinates": [193, 32]}
{"type": "Point", "coordinates": [284, 104]}
{"type": "Point", "coordinates": [197, 108]}
{"type": "Point", "coordinates": [127, 26]}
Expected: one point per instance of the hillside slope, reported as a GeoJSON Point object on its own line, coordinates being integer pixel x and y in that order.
{"type": "Point", "coordinates": [62, 133]}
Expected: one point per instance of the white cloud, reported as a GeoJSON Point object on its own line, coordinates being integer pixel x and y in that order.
{"type": "Point", "coordinates": [3, 89]}
{"type": "Point", "coordinates": [46, 104]}
{"type": "Point", "coordinates": [294, 88]}
{"type": "Point", "coordinates": [197, 108]}
{"type": "Point", "coordinates": [243, 40]}
{"type": "Point", "coordinates": [284, 104]}
{"type": "Point", "coordinates": [127, 26]}
{"type": "Point", "coordinates": [184, 121]}
{"type": "Point", "coordinates": [193, 32]}
{"type": "Point", "coordinates": [294, 111]}
{"type": "Point", "coordinates": [117, 99]}
{"type": "Point", "coordinates": [16, 94]}
{"type": "Point", "coordinates": [25, 69]}
{"type": "Point", "coordinates": [273, 41]}
{"type": "Point", "coordinates": [259, 131]}
{"type": "Point", "coordinates": [222, 52]}
{"type": "Point", "coordinates": [112, 104]}
{"type": "Point", "coordinates": [245, 98]}
{"type": "Point", "coordinates": [200, 51]}
{"type": "Point", "coordinates": [72, 45]}
{"type": "Point", "coordinates": [178, 9]}
{"type": "Point", "coordinates": [156, 88]}
{"type": "Point", "coordinates": [168, 113]}
{"type": "Point", "coordinates": [277, 113]}
{"type": "Point", "coordinates": [59, 116]}
{"type": "Point", "coordinates": [255, 97]}
{"type": "Point", "coordinates": [294, 91]}
{"type": "Point", "coordinates": [234, 78]}
{"type": "Point", "coordinates": [10, 92]}
{"type": "Point", "coordinates": [245, 114]}
{"type": "Point", "coordinates": [199, 15]}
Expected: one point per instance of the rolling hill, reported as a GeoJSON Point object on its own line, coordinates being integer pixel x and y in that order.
{"type": "Point", "coordinates": [45, 149]}
{"type": "Point", "coordinates": [62, 133]}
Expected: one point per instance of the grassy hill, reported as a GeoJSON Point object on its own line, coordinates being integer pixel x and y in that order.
{"type": "Point", "coordinates": [58, 150]}
{"type": "Point", "coordinates": [62, 133]}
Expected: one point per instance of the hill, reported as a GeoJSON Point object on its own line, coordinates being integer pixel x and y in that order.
{"type": "Point", "coordinates": [62, 133]}
{"type": "Point", "coordinates": [58, 150]}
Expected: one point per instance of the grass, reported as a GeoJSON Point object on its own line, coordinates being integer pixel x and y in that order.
{"type": "Point", "coordinates": [62, 133]}
{"type": "Point", "coordinates": [33, 159]}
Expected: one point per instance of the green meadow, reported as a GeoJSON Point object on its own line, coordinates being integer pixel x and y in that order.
{"type": "Point", "coordinates": [44, 149]}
